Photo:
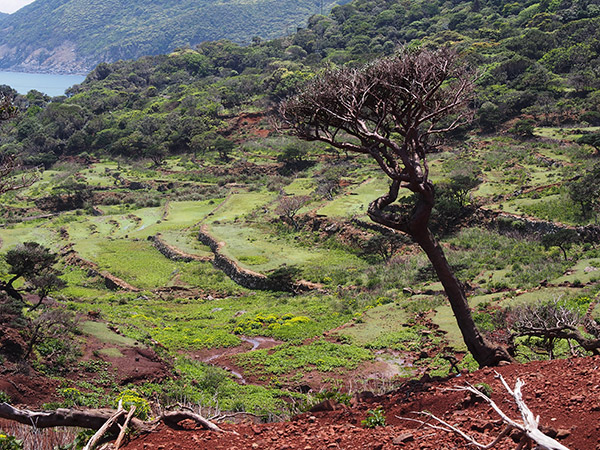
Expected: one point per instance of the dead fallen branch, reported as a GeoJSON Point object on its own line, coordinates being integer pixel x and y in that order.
{"type": "Point", "coordinates": [528, 426]}
{"type": "Point", "coordinates": [104, 428]}
{"type": "Point", "coordinates": [174, 417]}
{"type": "Point", "coordinates": [124, 428]}
{"type": "Point", "coordinates": [95, 419]}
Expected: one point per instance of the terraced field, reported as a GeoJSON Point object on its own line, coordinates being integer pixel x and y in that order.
{"type": "Point", "coordinates": [375, 319]}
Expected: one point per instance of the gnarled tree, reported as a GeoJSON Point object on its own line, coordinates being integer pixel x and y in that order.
{"type": "Point", "coordinates": [392, 110]}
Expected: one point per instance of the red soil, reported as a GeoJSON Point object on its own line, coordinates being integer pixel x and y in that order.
{"type": "Point", "coordinates": [565, 393]}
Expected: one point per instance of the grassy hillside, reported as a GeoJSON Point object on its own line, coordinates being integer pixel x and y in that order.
{"type": "Point", "coordinates": [75, 35]}
{"type": "Point", "coordinates": [155, 171]}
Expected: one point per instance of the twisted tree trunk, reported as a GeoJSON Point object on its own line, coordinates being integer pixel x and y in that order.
{"type": "Point", "coordinates": [484, 353]}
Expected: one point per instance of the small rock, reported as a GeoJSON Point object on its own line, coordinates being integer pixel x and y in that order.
{"type": "Point", "coordinates": [562, 433]}
{"type": "Point", "coordinates": [478, 425]}
{"type": "Point", "coordinates": [577, 399]}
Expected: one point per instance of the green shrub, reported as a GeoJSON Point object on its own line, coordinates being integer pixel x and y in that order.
{"type": "Point", "coordinates": [10, 442]}
{"type": "Point", "coordinates": [375, 418]}
{"type": "Point", "coordinates": [74, 397]}
{"type": "Point", "coordinates": [284, 276]}
{"type": "Point", "coordinates": [130, 398]}
{"type": "Point", "coordinates": [4, 397]}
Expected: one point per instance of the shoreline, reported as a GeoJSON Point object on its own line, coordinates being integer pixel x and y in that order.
{"type": "Point", "coordinates": [67, 74]}
{"type": "Point", "coordinates": [52, 84]}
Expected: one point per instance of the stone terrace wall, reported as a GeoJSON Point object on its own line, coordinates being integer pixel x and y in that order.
{"type": "Point", "coordinates": [510, 222]}
{"type": "Point", "coordinates": [245, 277]}
{"type": "Point", "coordinates": [172, 253]}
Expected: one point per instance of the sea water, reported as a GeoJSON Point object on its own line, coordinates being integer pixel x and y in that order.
{"type": "Point", "coordinates": [48, 83]}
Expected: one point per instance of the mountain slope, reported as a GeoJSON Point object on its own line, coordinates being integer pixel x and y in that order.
{"type": "Point", "coordinates": [75, 35]}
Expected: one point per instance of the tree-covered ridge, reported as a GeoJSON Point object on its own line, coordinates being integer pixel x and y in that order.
{"type": "Point", "coordinates": [74, 35]}
{"type": "Point", "coordinates": [537, 62]}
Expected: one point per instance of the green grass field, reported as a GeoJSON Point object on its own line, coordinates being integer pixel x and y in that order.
{"type": "Point", "coordinates": [365, 307]}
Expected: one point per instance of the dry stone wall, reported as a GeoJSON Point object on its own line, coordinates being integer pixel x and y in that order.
{"type": "Point", "coordinates": [245, 277]}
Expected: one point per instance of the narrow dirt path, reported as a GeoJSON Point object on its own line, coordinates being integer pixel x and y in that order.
{"type": "Point", "coordinates": [219, 358]}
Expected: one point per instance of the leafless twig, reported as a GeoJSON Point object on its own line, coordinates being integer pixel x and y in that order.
{"type": "Point", "coordinates": [528, 426]}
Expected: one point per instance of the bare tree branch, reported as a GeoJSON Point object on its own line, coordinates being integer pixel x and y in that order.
{"type": "Point", "coordinates": [528, 426]}
{"type": "Point", "coordinates": [124, 427]}
{"type": "Point", "coordinates": [104, 428]}
{"type": "Point", "coordinates": [12, 175]}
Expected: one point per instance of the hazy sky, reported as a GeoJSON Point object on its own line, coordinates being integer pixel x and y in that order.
{"type": "Point", "coordinates": [10, 6]}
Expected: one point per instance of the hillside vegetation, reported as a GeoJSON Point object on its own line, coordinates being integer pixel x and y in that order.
{"type": "Point", "coordinates": [210, 259]}
{"type": "Point", "coordinates": [538, 64]}
{"type": "Point", "coordinates": [72, 36]}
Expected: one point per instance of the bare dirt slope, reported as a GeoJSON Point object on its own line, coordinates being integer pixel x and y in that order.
{"type": "Point", "coordinates": [565, 393]}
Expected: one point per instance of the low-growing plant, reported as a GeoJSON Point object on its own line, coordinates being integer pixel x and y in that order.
{"type": "Point", "coordinates": [484, 388]}
{"type": "Point", "coordinates": [74, 397]}
{"type": "Point", "coordinates": [4, 397]}
{"type": "Point", "coordinates": [320, 355]}
{"type": "Point", "coordinates": [260, 322]}
{"type": "Point", "coordinates": [333, 394]}
{"type": "Point", "coordinates": [94, 365]}
{"type": "Point", "coordinates": [375, 418]}
{"type": "Point", "coordinates": [80, 440]}
{"type": "Point", "coordinates": [8, 442]}
{"type": "Point", "coordinates": [129, 398]}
